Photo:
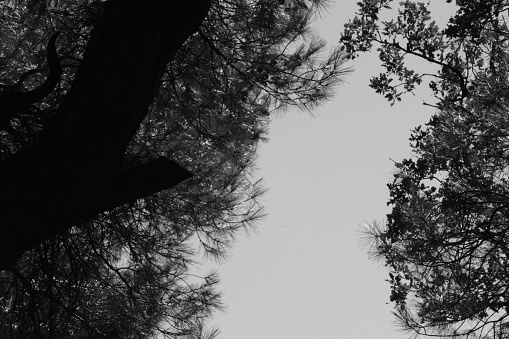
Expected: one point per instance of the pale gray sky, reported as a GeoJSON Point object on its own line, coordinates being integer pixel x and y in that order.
{"type": "Point", "coordinates": [303, 275]}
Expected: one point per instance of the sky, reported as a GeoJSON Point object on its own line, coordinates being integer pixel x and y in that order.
{"type": "Point", "coordinates": [303, 274]}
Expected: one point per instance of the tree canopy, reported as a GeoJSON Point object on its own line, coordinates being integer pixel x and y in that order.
{"type": "Point", "coordinates": [137, 153]}
{"type": "Point", "coordinates": [446, 241]}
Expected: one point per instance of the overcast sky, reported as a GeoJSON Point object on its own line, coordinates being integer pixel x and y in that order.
{"type": "Point", "coordinates": [303, 274]}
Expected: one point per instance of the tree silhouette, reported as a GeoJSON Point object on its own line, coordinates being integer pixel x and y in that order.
{"type": "Point", "coordinates": [96, 244]}
{"type": "Point", "coordinates": [445, 240]}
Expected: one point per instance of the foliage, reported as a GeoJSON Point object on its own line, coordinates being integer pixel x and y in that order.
{"type": "Point", "coordinates": [467, 46]}
{"type": "Point", "coordinates": [445, 240]}
{"type": "Point", "coordinates": [128, 273]}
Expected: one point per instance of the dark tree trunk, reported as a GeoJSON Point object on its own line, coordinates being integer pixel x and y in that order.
{"type": "Point", "coordinates": [72, 173]}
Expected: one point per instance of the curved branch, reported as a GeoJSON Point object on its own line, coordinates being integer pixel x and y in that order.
{"type": "Point", "coordinates": [55, 72]}
{"type": "Point", "coordinates": [13, 102]}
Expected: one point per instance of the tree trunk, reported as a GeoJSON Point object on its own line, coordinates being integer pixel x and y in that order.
{"type": "Point", "coordinates": [72, 173]}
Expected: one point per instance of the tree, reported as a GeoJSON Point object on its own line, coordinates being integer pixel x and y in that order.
{"type": "Point", "coordinates": [470, 42]}
{"type": "Point", "coordinates": [445, 240]}
{"type": "Point", "coordinates": [153, 91]}
{"type": "Point", "coordinates": [65, 190]}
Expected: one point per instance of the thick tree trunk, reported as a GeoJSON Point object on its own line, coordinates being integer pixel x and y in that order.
{"type": "Point", "coordinates": [73, 172]}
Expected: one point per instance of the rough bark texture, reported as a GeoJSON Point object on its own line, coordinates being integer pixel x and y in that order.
{"type": "Point", "coordinates": [73, 171]}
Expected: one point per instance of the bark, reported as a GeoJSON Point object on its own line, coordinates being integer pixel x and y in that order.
{"type": "Point", "coordinates": [144, 180]}
{"type": "Point", "coordinates": [72, 173]}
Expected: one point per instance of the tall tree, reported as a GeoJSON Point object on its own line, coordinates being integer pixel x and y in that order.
{"type": "Point", "coordinates": [109, 97]}
{"type": "Point", "coordinates": [445, 240]}
{"type": "Point", "coordinates": [111, 258]}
